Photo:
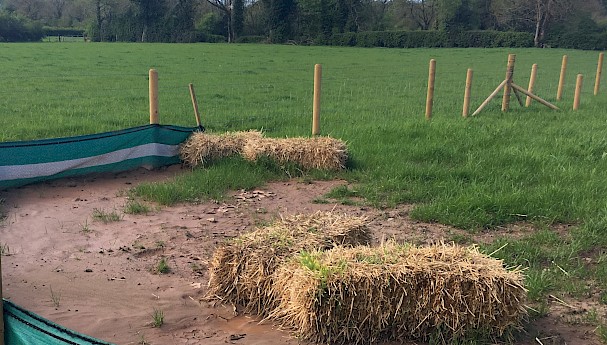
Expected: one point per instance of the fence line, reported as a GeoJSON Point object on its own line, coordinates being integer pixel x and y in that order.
{"type": "Point", "coordinates": [270, 98]}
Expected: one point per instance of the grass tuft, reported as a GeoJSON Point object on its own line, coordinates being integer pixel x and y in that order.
{"type": "Point", "coordinates": [105, 216]}
{"type": "Point", "coordinates": [157, 318]}
{"type": "Point", "coordinates": [136, 207]}
{"type": "Point", "coordinates": [5, 249]}
{"type": "Point", "coordinates": [213, 182]}
{"type": "Point", "coordinates": [55, 297]}
{"type": "Point", "coordinates": [84, 228]}
{"type": "Point", "coordinates": [602, 333]}
{"type": "Point", "coordinates": [162, 267]}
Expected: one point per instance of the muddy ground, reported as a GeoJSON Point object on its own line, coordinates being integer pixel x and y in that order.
{"type": "Point", "coordinates": [97, 278]}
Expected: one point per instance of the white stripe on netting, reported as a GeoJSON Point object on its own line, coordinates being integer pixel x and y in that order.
{"type": "Point", "coordinates": [14, 172]}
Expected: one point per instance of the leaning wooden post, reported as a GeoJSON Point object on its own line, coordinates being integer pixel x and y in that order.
{"type": "Point", "coordinates": [531, 84]}
{"type": "Point", "coordinates": [195, 105]}
{"type": "Point", "coordinates": [154, 119]}
{"type": "Point", "coordinates": [467, 91]}
{"type": "Point", "coordinates": [316, 106]}
{"type": "Point", "coordinates": [430, 94]}
{"type": "Point", "coordinates": [599, 71]}
{"type": "Point", "coordinates": [559, 91]}
{"type": "Point", "coordinates": [508, 85]}
{"type": "Point", "coordinates": [578, 91]}
{"type": "Point", "coordinates": [1, 306]}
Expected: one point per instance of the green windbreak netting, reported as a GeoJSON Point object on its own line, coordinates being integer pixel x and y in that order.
{"type": "Point", "coordinates": [22, 327]}
{"type": "Point", "coordinates": [152, 146]}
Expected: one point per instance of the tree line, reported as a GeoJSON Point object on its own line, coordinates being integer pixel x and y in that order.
{"type": "Point", "coordinates": [298, 21]}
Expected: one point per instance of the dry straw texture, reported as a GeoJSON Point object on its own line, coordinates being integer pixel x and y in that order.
{"type": "Point", "coordinates": [242, 269]}
{"type": "Point", "coordinates": [203, 148]}
{"type": "Point", "coordinates": [309, 153]}
{"type": "Point", "coordinates": [362, 295]}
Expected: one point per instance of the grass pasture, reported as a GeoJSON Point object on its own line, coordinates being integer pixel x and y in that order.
{"type": "Point", "coordinates": [529, 165]}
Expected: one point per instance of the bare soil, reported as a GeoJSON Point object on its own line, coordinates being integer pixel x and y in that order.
{"type": "Point", "coordinates": [99, 278]}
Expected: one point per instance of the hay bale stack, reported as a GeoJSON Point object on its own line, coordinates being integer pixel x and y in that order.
{"type": "Point", "coordinates": [362, 295]}
{"type": "Point", "coordinates": [202, 148]}
{"type": "Point", "coordinates": [309, 153]}
{"type": "Point", "coordinates": [242, 269]}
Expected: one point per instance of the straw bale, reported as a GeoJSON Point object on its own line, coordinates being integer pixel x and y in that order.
{"type": "Point", "coordinates": [242, 269]}
{"type": "Point", "coordinates": [396, 292]}
{"type": "Point", "coordinates": [309, 153]}
{"type": "Point", "coordinates": [202, 148]}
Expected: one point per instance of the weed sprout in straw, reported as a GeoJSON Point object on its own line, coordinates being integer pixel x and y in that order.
{"type": "Point", "coordinates": [397, 292]}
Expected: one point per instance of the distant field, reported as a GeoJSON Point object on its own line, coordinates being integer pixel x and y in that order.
{"type": "Point", "coordinates": [532, 165]}
{"type": "Point", "coordinates": [63, 89]}
{"type": "Point", "coordinates": [480, 172]}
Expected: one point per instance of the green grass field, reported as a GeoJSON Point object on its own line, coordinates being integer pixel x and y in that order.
{"type": "Point", "coordinates": [530, 164]}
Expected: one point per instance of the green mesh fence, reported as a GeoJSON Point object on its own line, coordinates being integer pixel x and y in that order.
{"type": "Point", "coordinates": [22, 327]}
{"type": "Point", "coordinates": [25, 162]}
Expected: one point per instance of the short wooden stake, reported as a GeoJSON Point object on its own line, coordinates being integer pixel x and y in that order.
{"type": "Point", "coordinates": [531, 84]}
{"type": "Point", "coordinates": [518, 97]}
{"type": "Point", "coordinates": [559, 91]}
{"type": "Point", "coordinates": [578, 91]}
{"type": "Point", "coordinates": [430, 94]}
{"type": "Point", "coordinates": [316, 105]}
{"type": "Point", "coordinates": [195, 105]}
{"type": "Point", "coordinates": [508, 85]}
{"type": "Point", "coordinates": [544, 102]}
{"type": "Point", "coordinates": [1, 306]}
{"type": "Point", "coordinates": [491, 96]}
{"type": "Point", "coordinates": [154, 118]}
{"type": "Point", "coordinates": [599, 71]}
{"type": "Point", "coordinates": [467, 91]}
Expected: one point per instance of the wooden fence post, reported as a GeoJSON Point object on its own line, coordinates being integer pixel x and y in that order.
{"type": "Point", "coordinates": [316, 105]}
{"type": "Point", "coordinates": [599, 71]}
{"type": "Point", "coordinates": [508, 85]}
{"type": "Point", "coordinates": [559, 91]}
{"type": "Point", "coordinates": [531, 84]}
{"type": "Point", "coordinates": [154, 117]}
{"type": "Point", "coordinates": [467, 92]}
{"type": "Point", "coordinates": [430, 94]}
{"type": "Point", "coordinates": [578, 91]}
{"type": "Point", "coordinates": [195, 105]}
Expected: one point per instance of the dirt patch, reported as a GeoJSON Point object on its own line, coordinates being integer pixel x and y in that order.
{"type": "Point", "coordinates": [100, 278]}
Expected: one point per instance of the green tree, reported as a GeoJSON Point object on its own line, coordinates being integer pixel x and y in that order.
{"type": "Point", "coordinates": [150, 14]}
{"type": "Point", "coordinates": [14, 28]}
{"type": "Point", "coordinates": [423, 13]}
{"type": "Point", "coordinates": [180, 22]}
{"type": "Point", "coordinates": [238, 18]}
{"type": "Point", "coordinates": [122, 27]}
{"type": "Point", "coordinates": [531, 15]}
{"type": "Point", "coordinates": [226, 7]}
{"type": "Point", "coordinates": [280, 19]}
{"type": "Point", "coordinates": [481, 17]}
{"type": "Point", "coordinates": [31, 9]}
{"type": "Point", "coordinates": [77, 13]}
{"type": "Point", "coordinates": [357, 15]}
{"type": "Point", "coordinates": [106, 12]}
{"type": "Point", "coordinates": [454, 15]}
{"type": "Point", "coordinates": [255, 19]}
{"type": "Point", "coordinates": [318, 20]}
{"type": "Point", "coordinates": [314, 19]}
{"type": "Point", "coordinates": [57, 9]}
{"type": "Point", "coordinates": [99, 16]}
{"type": "Point", "coordinates": [211, 23]}
{"type": "Point", "coordinates": [379, 10]}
